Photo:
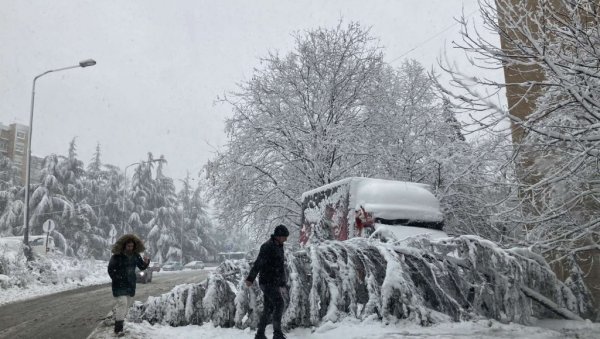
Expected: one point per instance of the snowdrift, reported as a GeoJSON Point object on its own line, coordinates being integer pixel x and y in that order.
{"type": "Point", "coordinates": [426, 281]}
{"type": "Point", "coordinates": [51, 270]}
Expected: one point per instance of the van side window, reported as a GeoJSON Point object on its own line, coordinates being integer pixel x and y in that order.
{"type": "Point", "coordinates": [37, 242]}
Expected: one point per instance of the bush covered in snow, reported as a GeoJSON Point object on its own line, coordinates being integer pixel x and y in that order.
{"type": "Point", "coordinates": [17, 272]}
{"type": "Point", "coordinates": [418, 279]}
{"type": "Point", "coordinates": [12, 266]}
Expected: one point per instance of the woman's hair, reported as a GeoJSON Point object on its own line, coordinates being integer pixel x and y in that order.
{"type": "Point", "coordinates": [119, 246]}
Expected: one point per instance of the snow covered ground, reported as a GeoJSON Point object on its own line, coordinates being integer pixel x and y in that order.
{"type": "Point", "coordinates": [45, 275]}
{"type": "Point", "coordinates": [373, 329]}
{"type": "Point", "coordinates": [91, 273]}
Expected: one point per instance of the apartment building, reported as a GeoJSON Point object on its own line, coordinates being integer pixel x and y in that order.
{"type": "Point", "coordinates": [13, 144]}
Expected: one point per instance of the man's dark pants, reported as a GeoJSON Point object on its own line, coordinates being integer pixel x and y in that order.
{"type": "Point", "coordinates": [273, 304]}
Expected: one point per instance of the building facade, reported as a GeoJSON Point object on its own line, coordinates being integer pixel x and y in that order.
{"type": "Point", "coordinates": [13, 144]}
{"type": "Point", "coordinates": [522, 99]}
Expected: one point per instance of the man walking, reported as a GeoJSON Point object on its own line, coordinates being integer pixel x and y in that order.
{"type": "Point", "coordinates": [121, 268]}
{"type": "Point", "coordinates": [272, 281]}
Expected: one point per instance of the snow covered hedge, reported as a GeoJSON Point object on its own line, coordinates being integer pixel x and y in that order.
{"type": "Point", "coordinates": [17, 272]}
{"type": "Point", "coordinates": [419, 279]}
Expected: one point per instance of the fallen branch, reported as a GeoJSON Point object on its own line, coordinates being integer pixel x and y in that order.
{"type": "Point", "coordinates": [549, 304]}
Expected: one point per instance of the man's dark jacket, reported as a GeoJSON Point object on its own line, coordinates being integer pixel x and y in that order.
{"type": "Point", "coordinates": [121, 267]}
{"type": "Point", "coordinates": [270, 264]}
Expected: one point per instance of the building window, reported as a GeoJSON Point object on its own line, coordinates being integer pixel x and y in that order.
{"type": "Point", "coordinates": [20, 135]}
{"type": "Point", "coordinates": [17, 159]}
{"type": "Point", "coordinates": [19, 148]}
{"type": "Point", "coordinates": [3, 146]}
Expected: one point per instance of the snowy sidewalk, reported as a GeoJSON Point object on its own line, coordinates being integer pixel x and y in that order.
{"type": "Point", "coordinates": [354, 329]}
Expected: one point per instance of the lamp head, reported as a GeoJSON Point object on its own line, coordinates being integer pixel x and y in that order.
{"type": "Point", "coordinates": [86, 63]}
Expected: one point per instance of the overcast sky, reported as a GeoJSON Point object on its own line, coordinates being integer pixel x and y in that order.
{"type": "Point", "coordinates": [162, 64]}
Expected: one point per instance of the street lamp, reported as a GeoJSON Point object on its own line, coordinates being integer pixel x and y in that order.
{"type": "Point", "coordinates": [83, 63]}
{"type": "Point", "coordinates": [180, 209]}
{"type": "Point", "coordinates": [125, 185]}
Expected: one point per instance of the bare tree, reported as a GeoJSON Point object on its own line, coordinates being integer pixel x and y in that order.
{"type": "Point", "coordinates": [550, 54]}
{"type": "Point", "coordinates": [330, 109]}
{"type": "Point", "coordinates": [294, 125]}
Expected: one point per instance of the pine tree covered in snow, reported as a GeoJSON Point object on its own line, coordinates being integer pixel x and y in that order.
{"type": "Point", "coordinates": [162, 239]}
{"type": "Point", "coordinates": [139, 204]}
{"type": "Point", "coordinates": [80, 224]}
{"type": "Point", "coordinates": [102, 196]}
{"type": "Point", "coordinates": [49, 200]}
{"type": "Point", "coordinates": [198, 238]}
{"type": "Point", "coordinates": [87, 203]}
{"type": "Point", "coordinates": [426, 281]}
{"type": "Point", "coordinates": [11, 202]}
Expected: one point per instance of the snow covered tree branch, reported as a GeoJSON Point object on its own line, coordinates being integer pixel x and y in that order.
{"type": "Point", "coordinates": [550, 56]}
{"type": "Point", "coordinates": [422, 280]}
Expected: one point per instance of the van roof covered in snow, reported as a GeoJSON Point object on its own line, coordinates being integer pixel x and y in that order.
{"type": "Point", "coordinates": [389, 199]}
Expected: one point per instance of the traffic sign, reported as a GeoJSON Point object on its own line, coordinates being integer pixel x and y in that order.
{"type": "Point", "coordinates": [48, 225]}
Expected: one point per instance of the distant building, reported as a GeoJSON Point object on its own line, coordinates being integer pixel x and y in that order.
{"type": "Point", "coordinates": [13, 144]}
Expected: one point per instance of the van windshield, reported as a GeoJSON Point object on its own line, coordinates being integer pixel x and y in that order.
{"type": "Point", "coordinates": [37, 242]}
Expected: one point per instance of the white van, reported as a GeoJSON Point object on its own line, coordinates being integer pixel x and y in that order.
{"type": "Point", "coordinates": [357, 207]}
{"type": "Point", "coordinates": [37, 243]}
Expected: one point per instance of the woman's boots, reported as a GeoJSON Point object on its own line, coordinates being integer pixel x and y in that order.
{"type": "Point", "coordinates": [119, 327]}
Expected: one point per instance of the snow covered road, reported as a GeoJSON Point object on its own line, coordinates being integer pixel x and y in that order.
{"type": "Point", "coordinates": [75, 313]}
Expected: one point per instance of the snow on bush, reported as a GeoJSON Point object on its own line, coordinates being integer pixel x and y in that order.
{"type": "Point", "coordinates": [17, 272]}
{"type": "Point", "coordinates": [419, 279]}
{"type": "Point", "coordinates": [13, 266]}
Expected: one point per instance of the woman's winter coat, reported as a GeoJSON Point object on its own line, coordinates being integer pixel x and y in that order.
{"type": "Point", "coordinates": [121, 267]}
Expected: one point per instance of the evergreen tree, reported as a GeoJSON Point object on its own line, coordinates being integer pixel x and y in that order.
{"type": "Point", "coordinates": [11, 199]}
{"type": "Point", "coordinates": [49, 201]}
{"type": "Point", "coordinates": [162, 240]}
{"type": "Point", "coordinates": [139, 204]}
{"type": "Point", "coordinates": [198, 237]}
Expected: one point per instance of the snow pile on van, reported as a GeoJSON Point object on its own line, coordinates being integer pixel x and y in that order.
{"type": "Point", "coordinates": [348, 208]}
{"type": "Point", "coordinates": [391, 200]}
{"type": "Point", "coordinates": [422, 280]}
{"type": "Point", "coordinates": [386, 199]}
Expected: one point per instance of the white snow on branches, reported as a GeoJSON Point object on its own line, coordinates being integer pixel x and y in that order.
{"type": "Point", "coordinates": [418, 279]}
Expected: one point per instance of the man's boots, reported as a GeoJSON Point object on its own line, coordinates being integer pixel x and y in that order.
{"type": "Point", "coordinates": [260, 335]}
{"type": "Point", "coordinates": [278, 335]}
{"type": "Point", "coordinates": [119, 327]}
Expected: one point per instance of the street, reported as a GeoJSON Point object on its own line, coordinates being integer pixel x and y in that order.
{"type": "Point", "coordinates": [75, 313]}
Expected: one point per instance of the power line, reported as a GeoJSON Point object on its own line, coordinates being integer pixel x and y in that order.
{"type": "Point", "coordinates": [48, 213]}
{"type": "Point", "coordinates": [431, 38]}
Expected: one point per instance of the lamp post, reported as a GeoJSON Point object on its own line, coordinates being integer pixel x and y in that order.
{"type": "Point", "coordinates": [84, 63]}
{"type": "Point", "coordinates": [125, 185]}
{"type": "Point", "coordinates": [180, 209]}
